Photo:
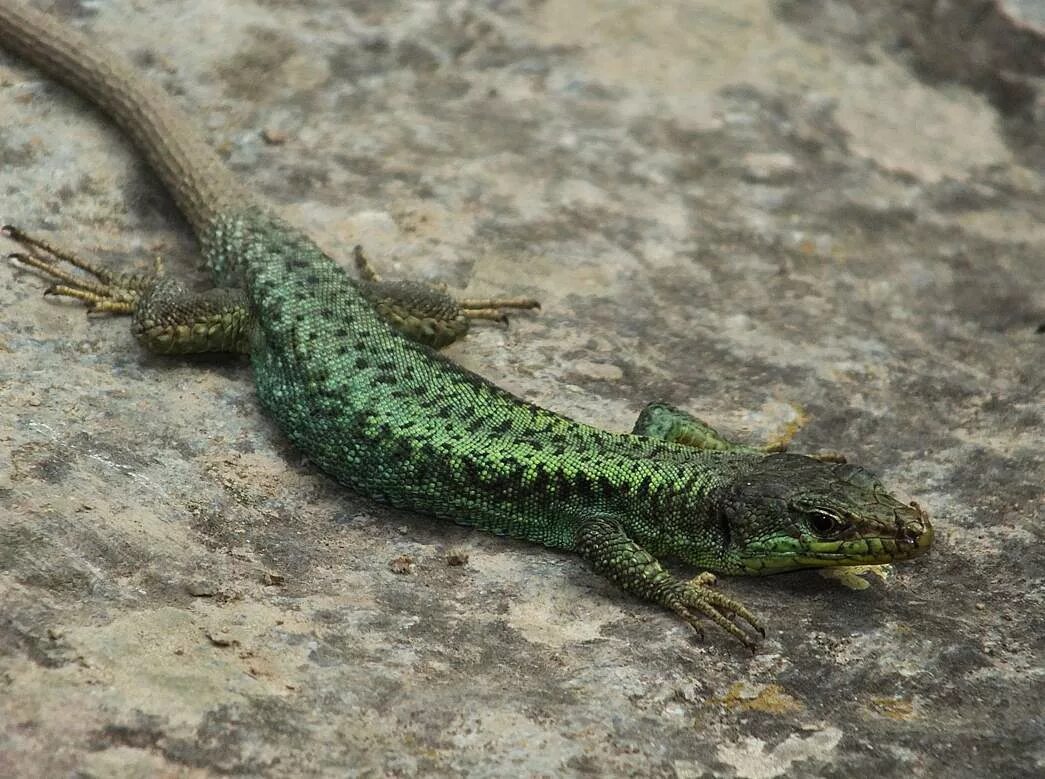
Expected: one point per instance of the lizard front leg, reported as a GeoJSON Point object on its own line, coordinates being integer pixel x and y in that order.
{"type": "Point", "coordinates": [613, 553]}
{"type": "Point", "coordinates": [660, 420]}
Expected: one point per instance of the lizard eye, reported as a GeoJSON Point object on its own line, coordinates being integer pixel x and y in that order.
{"type": "Point", "coordinates": [824, 522]}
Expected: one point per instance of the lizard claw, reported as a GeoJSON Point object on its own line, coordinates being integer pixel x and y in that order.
{"type": "Point", "coordinates": [693, 601]}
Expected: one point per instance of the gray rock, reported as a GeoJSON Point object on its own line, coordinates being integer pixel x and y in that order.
{"type": "Point", "coordinates": [884, 288]}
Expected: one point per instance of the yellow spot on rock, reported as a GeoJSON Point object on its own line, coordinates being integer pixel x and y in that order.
{"type": "Point", "coordinates": [770, 698]}
{"type": "Point", "coordinates": [780, 441]}
{"type": "Point", "coordinates": [893, 708]}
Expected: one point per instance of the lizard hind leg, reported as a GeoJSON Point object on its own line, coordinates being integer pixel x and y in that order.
{"type": "Point", "coordinates": [166, 317]}
{"type": "Point", "coordinates": [427, 313]}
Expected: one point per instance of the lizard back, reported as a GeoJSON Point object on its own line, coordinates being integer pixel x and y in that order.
{"type": "Point", "coordinates": [395, 420]}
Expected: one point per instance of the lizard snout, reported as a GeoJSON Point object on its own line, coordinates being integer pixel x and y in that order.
{"type": "Point", "coordinates": [914, 530]}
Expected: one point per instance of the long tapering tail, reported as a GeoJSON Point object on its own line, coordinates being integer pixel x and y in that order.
{"type": "Point", "coordinates": [201, 184]}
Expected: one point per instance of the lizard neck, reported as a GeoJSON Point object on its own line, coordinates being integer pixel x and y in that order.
{"type": "Point", "coordinates": [673, 509]}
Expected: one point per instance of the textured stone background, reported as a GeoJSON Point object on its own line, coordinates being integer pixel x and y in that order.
{"type": "Point", "coordinates": [827, 212]}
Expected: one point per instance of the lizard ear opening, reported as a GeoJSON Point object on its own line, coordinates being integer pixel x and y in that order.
{"type": "Point", "coordinates": [726, 529]}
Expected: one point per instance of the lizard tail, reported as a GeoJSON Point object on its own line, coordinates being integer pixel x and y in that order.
{"type": "Point", "coordinates": [201, 184]}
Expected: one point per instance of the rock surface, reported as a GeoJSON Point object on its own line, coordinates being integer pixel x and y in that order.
{"type": "Point", "coordinates": [771, 213]}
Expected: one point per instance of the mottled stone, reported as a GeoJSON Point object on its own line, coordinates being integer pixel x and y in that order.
{"type": "Point", "coordinates": [607, 158]}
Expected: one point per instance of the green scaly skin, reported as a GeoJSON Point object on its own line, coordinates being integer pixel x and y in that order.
{"type": "Point", "coordinates": [390, 418]}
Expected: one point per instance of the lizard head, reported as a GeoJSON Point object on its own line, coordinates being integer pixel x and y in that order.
{"type": "Point", "coordinates": [793, 512]}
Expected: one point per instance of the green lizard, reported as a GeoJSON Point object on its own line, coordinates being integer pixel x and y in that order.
{"type": "Point", "coordinates": [347, 370]}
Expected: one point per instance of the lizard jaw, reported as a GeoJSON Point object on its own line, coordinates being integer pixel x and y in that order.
{"type": "Point", "coordinates": [912, 537]}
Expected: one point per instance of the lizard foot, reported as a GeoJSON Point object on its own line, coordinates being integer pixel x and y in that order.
{"type": "Point", "coordinates": [695, 600]}
{"type": "Point", "coordinates": [102, 291]}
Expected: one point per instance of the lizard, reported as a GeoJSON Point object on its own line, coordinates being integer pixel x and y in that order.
{"type": "Point", "coordinates": [350, 373]}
